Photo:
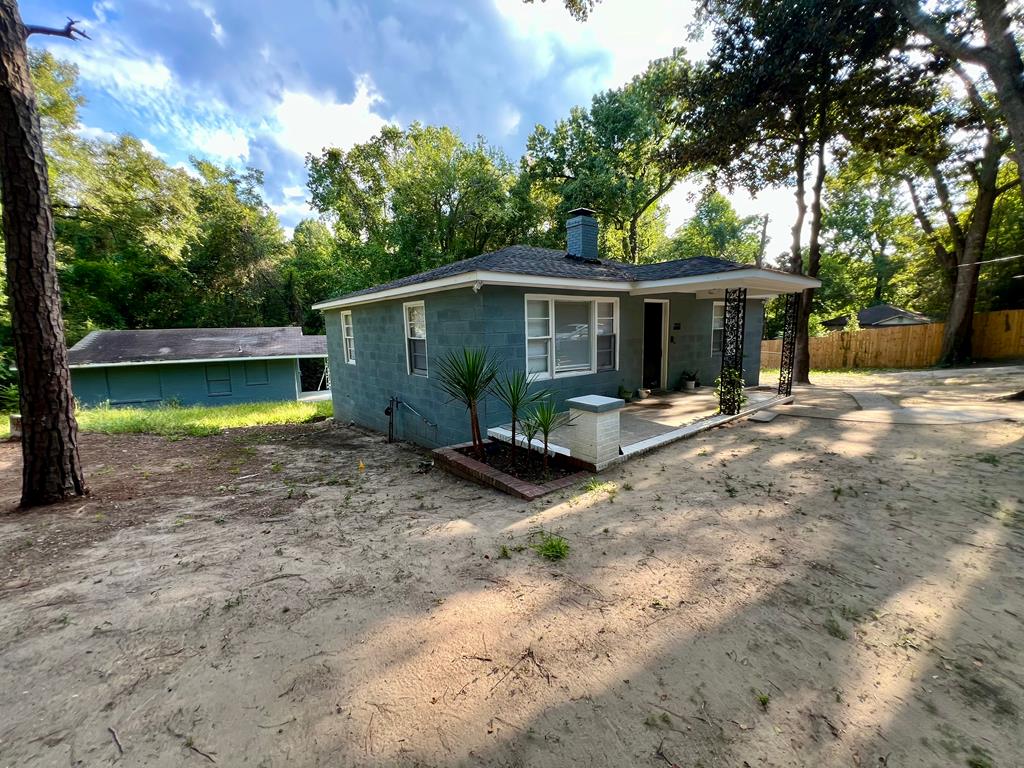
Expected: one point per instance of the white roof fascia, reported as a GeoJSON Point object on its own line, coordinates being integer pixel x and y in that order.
{"type": "Point", "coordinates": [763, 282]}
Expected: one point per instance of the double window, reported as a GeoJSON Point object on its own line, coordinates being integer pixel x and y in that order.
{"type": "Point", "coordinates": [717, 327]}
{"type": "Point", "coordinates": [348, 341]}
{"type": "Point", "coordinates": [416, 338]}
{"type": "Point", "coordinates": [566, 335]}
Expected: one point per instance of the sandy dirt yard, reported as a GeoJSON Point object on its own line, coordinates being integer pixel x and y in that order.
{"type": "Point", "coordinates": [803, 592]}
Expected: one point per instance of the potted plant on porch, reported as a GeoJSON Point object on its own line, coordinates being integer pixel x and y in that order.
{"type": "Point", "coordinates": [688, 380]}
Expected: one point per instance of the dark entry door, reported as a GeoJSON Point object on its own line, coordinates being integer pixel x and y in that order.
{"type": "Point", "coordinates": [653, 334]}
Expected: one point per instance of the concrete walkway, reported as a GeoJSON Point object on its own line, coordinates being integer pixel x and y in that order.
{"type": "Point", "coordinates": [879, 409]}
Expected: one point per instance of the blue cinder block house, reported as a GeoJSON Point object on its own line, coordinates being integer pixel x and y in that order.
{"type": "Point", "coordinates": [191, 366]}
{"type": "Point", "coordinates": [578, 323]}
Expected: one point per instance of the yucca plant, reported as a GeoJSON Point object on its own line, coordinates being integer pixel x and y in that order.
{"type": "Point", "coordinates": [530, 431]}
{"type": "Point", "coordinates": [466, 376]}
{"type": "Point", "coordinates": [548, 419]}
{"type": "Point", "coordinates": [513, 389]}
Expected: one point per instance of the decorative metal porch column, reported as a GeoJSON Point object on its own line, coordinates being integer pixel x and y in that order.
{"type": "Point", "coordinates": [788, 344]}
{"type": "Point", "coordinates": [730, 383]}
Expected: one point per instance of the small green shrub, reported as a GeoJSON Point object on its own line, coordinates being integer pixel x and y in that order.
{"type": "Point", "coordinates": [552, 547]}
{"type": "Point", "coordinates": [730, 384]}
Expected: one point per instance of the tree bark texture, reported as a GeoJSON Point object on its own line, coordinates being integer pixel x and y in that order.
{"type": "Point", "coordinates": [802, 355]}
{"type": "Point", "coordinates": [51, 468]}
{"type": "Point", "coordinates": [956, 339]}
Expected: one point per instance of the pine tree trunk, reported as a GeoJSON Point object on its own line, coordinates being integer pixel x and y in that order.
{"type": "Point", "coordinates": [51, 468]}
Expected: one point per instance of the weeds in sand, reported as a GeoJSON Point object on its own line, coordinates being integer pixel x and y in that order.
{"type": "Point", "coordinates": [198, 421]}
{"type": "Point", "coordinates": [988, 458]}
{"type": "Point", "coordinates": [595, 485]}
{"type": "Point", "coordinates": [552, 547]}
{"type": "Point", "coordinates": [837, 491]}
{"type": "Point", "coordinates": [764, 700]}
{"type": "Point", "coordinates": [835, 629]}
{"type": "Point", "coordinates": [503, 553]}
{"type": "Point", "coordinates": [627, 486]}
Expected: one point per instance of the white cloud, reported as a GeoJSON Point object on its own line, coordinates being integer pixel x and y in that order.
{"type": "Point", "coordinates": [632, 33]}
{"type": "Point", "coordinates": [216, 30]}
{"type": "Point", "coordinates": [92, 133]}
{"type": "Point", "coordinates": [225, 143]}
{"type": "Point", "coordinates": [307, 123]}
{"type": "Point", "coordinates": [296, 191]}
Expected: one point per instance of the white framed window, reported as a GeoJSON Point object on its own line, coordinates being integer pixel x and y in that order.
{"type": "Point", "coordinates": [571, 335]}
{"type": "Point", "coordinates": [717, 327]}
{"type": "Point", "coordinates": [416, 337]}
{"type": "Point", "coordinates": [348, 341]}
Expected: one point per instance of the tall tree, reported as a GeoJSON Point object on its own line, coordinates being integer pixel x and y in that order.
{"type": "Point", "coordinates": [51, 467]}
{"type": "Point", "coordinates": [611, 158]}
{"type": "Point", "coordinates": [716, 229]}
{"type": "Point", "coordinates": [786, 84]}
{"type": "Point", "coordinates": [984, 33]}
{"type": "Point", "coordinates": [413, 199]}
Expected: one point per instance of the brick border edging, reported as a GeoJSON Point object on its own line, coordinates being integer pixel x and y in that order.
{"type": "Point", "coordinates": [469, 468]}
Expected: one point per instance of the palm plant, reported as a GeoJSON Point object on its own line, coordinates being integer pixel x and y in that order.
{"type": "Point", "coordinates": [548, 419]}
{"type": "Point", "coordinates": [530, 431]}
{"type": "Point", "coordinates": [466, 376]}
{"type": "Point", "coordinates": [513, 389]}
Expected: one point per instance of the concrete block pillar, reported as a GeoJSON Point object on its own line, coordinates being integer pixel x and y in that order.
{"type": "Point", "coordinates": [594, 429]}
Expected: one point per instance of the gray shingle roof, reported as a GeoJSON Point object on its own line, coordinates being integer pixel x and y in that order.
{"type": "Point", "coordinates": [171, 344]}
{"type": "Point", "coordinates": [873, 315]}
{"type": "Point", "coordinates": [549, 262]}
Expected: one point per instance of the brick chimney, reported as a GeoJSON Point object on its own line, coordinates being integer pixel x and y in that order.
{"type": "Point", "coordinates": [581, 235]}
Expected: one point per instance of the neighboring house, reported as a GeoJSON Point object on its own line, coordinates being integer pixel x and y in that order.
{"type": "Point", "coordinates": [206, 366]}
{"type": "Point", "coordinates": [579, 324]}
{"type": "Point", "coordinates": [879, 316]}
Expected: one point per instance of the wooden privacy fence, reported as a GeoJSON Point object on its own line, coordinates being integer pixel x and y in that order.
{"type": "Point", "coordinates": [996, 335]}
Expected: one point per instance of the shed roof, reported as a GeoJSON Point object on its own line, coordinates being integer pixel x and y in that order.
{"type": "Point", "coordinates": [876, 315]}
{"type": "Point", "coordinates": [169, 345]}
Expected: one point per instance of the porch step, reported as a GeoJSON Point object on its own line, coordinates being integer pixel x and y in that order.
{"type": "Point", "coordinates": [763, 416]}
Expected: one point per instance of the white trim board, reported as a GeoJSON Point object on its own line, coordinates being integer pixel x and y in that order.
{"type": "Point", "coordinates": [763, 282]}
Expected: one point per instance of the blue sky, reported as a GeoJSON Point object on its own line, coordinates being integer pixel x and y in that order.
{"type": "Point", "coordinates": [263, 82]}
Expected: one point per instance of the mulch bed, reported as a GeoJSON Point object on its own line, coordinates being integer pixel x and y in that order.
{"type": "Point", "coordinates": [528, 481]}
{"type": "Point", "coordinates": [522, 465]}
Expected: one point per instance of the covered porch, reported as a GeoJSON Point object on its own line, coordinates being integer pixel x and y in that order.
{"type": "Point", "coordinates": [603, 431]}
{"type": "Point", "coordinates": [657, 420]}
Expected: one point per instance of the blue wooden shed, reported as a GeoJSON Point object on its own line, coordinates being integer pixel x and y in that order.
{"type": "Point", "coordinates": [192, 366]}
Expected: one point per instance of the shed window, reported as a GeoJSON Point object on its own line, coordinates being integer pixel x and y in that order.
{"type": "Point", "coordinates": [416, 338]}
{"type": "Point", "coordinates": [569, 335]}
{"type": "Point", "coordinates": [256, 373]}
{"type": "Point", "coordinates": [347, 338]}
{"type": "Point", "coordinates": [218, 380]}
{"type": "Point", "coordinates": [717, 327]}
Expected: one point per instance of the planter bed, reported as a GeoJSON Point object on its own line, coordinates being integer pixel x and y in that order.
{"type": "Point", "coordinates": [459, 460]}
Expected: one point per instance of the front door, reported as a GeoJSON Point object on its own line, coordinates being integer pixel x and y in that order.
{"type": "Point", "coordinates": [654, 333]}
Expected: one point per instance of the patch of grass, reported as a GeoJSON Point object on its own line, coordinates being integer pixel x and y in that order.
{"type": "Point", "coordinates": [835, 629]}
{"type": "Point", "coordinates": [503, 553]}
{"type": "Point", "coordinates": [596, 485]}
{"type": "Point", "coordinates": [197, 421]}
{"type": "Point", "coordinates": [988, 458]}
{"type": "Point", "coordinates": [552, 547]}
{"type": "Point", "coordinates": [764, 700]}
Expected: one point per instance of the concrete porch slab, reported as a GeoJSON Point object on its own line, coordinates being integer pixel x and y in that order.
{"type": "Point", "coordinates": [656, 421]}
